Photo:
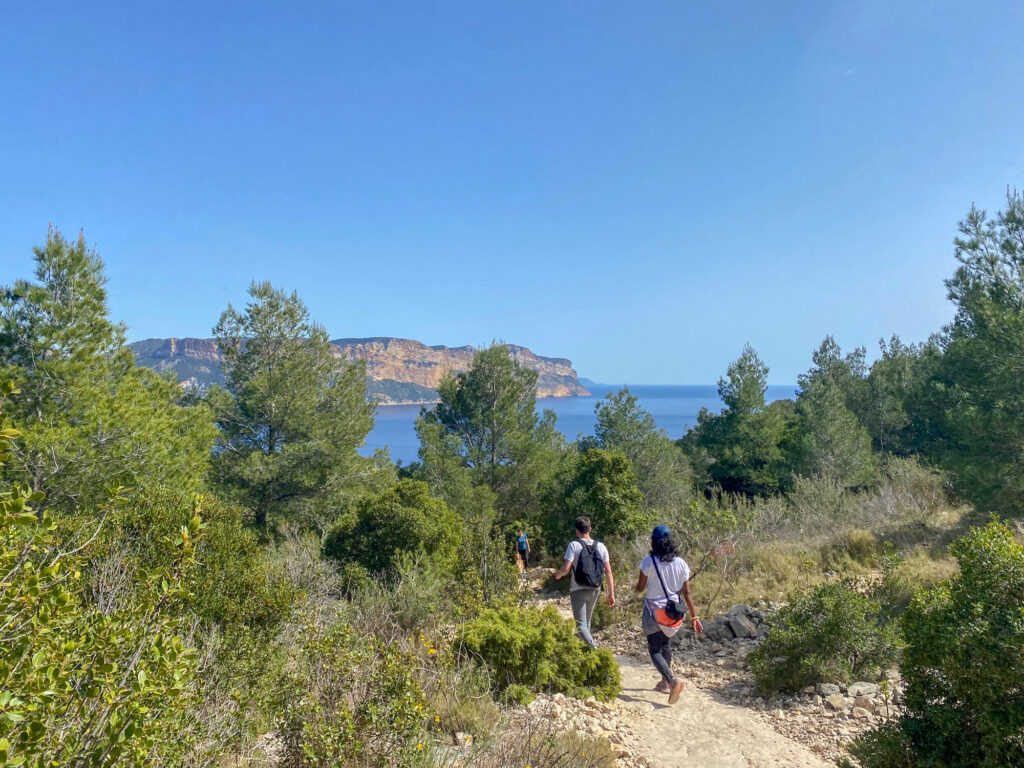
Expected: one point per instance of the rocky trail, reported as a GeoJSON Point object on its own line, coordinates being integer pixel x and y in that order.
{"type": "Point", "coordinates": [719, 721]}
{"type": "Point", "coordinates": [702, 730]}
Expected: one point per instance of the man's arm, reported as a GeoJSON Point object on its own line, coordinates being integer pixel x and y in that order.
{"type": "Point", "coordinates": [566, 567]}
{"type": "Point", "coordinates": [694, 619]}
{"type": "Point", "coordinates": [611, 582]}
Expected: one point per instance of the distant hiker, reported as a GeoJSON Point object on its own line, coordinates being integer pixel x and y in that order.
{"type": "Point", "coordinates": [523, 547]}
{"type": "Point", "coordinates": [589, 562]}
{"type": "Point", "coordinates": [666, 577]}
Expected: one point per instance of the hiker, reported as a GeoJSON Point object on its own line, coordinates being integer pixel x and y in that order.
{"type": "Point", "coordinates": [589, 562]}
{"type": "Point", "coordinates": [666, 577]}
{"type": "Point", "coordinates": [523, 547]}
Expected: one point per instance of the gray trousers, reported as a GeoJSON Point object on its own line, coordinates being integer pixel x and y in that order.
{"type": "Point", "coordinates": [583, 602]}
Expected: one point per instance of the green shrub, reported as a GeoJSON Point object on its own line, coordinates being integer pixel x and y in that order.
{"type": "Point", "coordinates": [349, 700]}
{"type": "Point", "coordinates": [830, 634]}
{"type": "Point", "coordinates": [234, 583]}
{"type": "Point", "coordinates": [598, 484]}
{"type": "Point", "coordinates": [539, 650]}
{"type": "Point", "coordinates": [80, 684]}
{"type": "Point", "coordinates": [485, 575]}
{"type": "Point", "coordinates": [414, 596]}
{"type": "Point", "coordinates": [403, 519]}
{"type": "Point", "coordinates": [963, 665]}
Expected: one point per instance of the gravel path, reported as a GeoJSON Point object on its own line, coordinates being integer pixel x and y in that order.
{"type": "Point", "coordinates": [701, 731]}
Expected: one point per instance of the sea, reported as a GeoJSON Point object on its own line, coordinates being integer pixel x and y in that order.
{"type": "Point", "coordinates": [673, 407]}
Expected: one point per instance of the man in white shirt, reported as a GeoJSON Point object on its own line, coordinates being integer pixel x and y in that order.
{"type": "Point", "coordinates": [588, 560]}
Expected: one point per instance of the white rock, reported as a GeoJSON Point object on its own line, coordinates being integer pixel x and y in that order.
{"type": "Point", "coordinates": [862, 689]}
{"type": "Point", "coordinates": [863, 702]}
{"type": "Point", "coordinates": [836, 701]}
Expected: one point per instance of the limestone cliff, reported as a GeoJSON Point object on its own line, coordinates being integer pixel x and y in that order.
{"type": "Point", "coordinates": [405, 360]}
{"type": "Point", "coordinates": [398, 370]}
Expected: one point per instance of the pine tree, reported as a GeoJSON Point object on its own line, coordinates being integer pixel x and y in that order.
{"type": "Point", "coordinates": [979, 389]}
{"type": "Point", "coordinates": [662, 470]}
{"type": "Point", "coordinates": [743, 444]}
{"type": "Point", "coordinates": [92, 419]}
{"type": "Point", "coordinates": [293, 416]}
{"type": "Point", "coordinates": [486, 424]}
{"type": "Point", "coordinates": [833, 443]}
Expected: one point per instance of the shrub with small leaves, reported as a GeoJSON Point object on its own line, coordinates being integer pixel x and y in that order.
{"type": "Point", "coordinates": [963, 665]}
{"type": "Point", "coordinates": [349, 700]}
{"type": "Point", "coordinates": [384, 527]}
{"type": "Point", "coordinates": [538, 650]}
{"type": "Point", "coordinates": [80, 686]}
{"type": "Point", "coordinates": [830, 634]}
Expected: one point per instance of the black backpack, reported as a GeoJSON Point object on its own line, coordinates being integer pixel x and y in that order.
{"type": "Point", "coordinates": [589, 568]}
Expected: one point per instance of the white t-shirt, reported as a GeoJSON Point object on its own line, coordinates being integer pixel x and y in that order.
{"type": "Point", "coordinates": [573, 551]}
{"type": "Point", "coordinates": [674, 574]}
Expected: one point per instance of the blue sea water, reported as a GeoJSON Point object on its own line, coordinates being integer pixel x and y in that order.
{"type": "Point", "coordinates": [674, 409]}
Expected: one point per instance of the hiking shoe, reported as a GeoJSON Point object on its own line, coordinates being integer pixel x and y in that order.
{"type": "Point", "coordinates": [677, 689]}
{"type": "Point", "coordinates": [662, 687]}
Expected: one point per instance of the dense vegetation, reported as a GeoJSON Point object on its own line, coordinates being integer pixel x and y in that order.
{"type": "Point", "coordinates": [191, 578]}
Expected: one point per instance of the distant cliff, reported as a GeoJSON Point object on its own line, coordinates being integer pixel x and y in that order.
{"type": "Point", "coordinates": [397, 370]}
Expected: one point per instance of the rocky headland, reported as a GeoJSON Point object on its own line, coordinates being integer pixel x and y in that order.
{"type": "Point", "coordinates": [398, 371]}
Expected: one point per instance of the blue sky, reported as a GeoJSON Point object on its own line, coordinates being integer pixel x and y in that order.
{"type": "Point", "coordinates": [641, 187]}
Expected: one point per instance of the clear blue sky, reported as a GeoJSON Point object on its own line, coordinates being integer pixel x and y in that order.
{"type": "Point", "coordinates": [642, 187]}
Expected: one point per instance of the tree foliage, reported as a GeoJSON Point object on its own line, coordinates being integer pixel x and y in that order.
{"type": "Point", "coordinates": [745, 441]}
{"type": "Point", "coordinates": [962, 665]}
{"type": "Point", "coordinates": [601, 485]}
{"type": "Point", "coordinates": [847, 372]}
{"type": "Point", "coordinates": [91, 420]}
{"type": "Point", "coordinates": [981, 379]}
{"type": "Point", "coordinates": [832, 442]}
{"type": "Point", "coordinates": [81, 685]}
{"type": "Point", "coordinates": [290, 430]}
{"type": "Point", "coordinates": [404, 519]}
{"type": "Point", "coordinates": [662, 470]}
{"type": "Point", "coordinates": [485, 431]}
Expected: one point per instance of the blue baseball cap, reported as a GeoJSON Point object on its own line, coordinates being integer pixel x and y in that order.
{"type": "Point", "coordinates": [661, 532]}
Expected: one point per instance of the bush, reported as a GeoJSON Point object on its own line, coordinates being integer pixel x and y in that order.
{"type": "Point", "coordinates": [234, 582]}
{"type": "Point", "coordinates": [854, 546]}
{"type": "Point", "coordinates": [831, 634]}
{"type": "Point", "coordinates": [598, 484]}
{"type": "Point", "coordinates": [539, 650]}
{"type": "Point", "coordinates": [963, 665]}
{"type": "Point", "coordinates": [403, 519]}
{"type": "Point", "coordinates": [82, 684]}
{"type": "Point", "coordinates": [347, 700]}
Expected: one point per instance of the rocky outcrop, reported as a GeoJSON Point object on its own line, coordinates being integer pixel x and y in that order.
{"type": "Point", "coordinates": [398, 370]}
{"type": "Point", "coordinates": [196, 362]}
{"type": "Point", "coordinates": [408, 361]}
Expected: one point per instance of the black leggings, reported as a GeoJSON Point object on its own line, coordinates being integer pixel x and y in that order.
{"type": "Point", "coordinates": [660, 648]}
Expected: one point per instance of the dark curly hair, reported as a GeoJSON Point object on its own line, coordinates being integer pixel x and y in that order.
{"type": "Point", "coordinates": [665, 549]}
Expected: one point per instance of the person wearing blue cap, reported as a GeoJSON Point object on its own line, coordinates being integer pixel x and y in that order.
{"type": "Point", "coordinates": [666, 578]}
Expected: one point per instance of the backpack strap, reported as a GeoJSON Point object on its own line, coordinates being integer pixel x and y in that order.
{"type": "Point", "coordinates": [654, 561]}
